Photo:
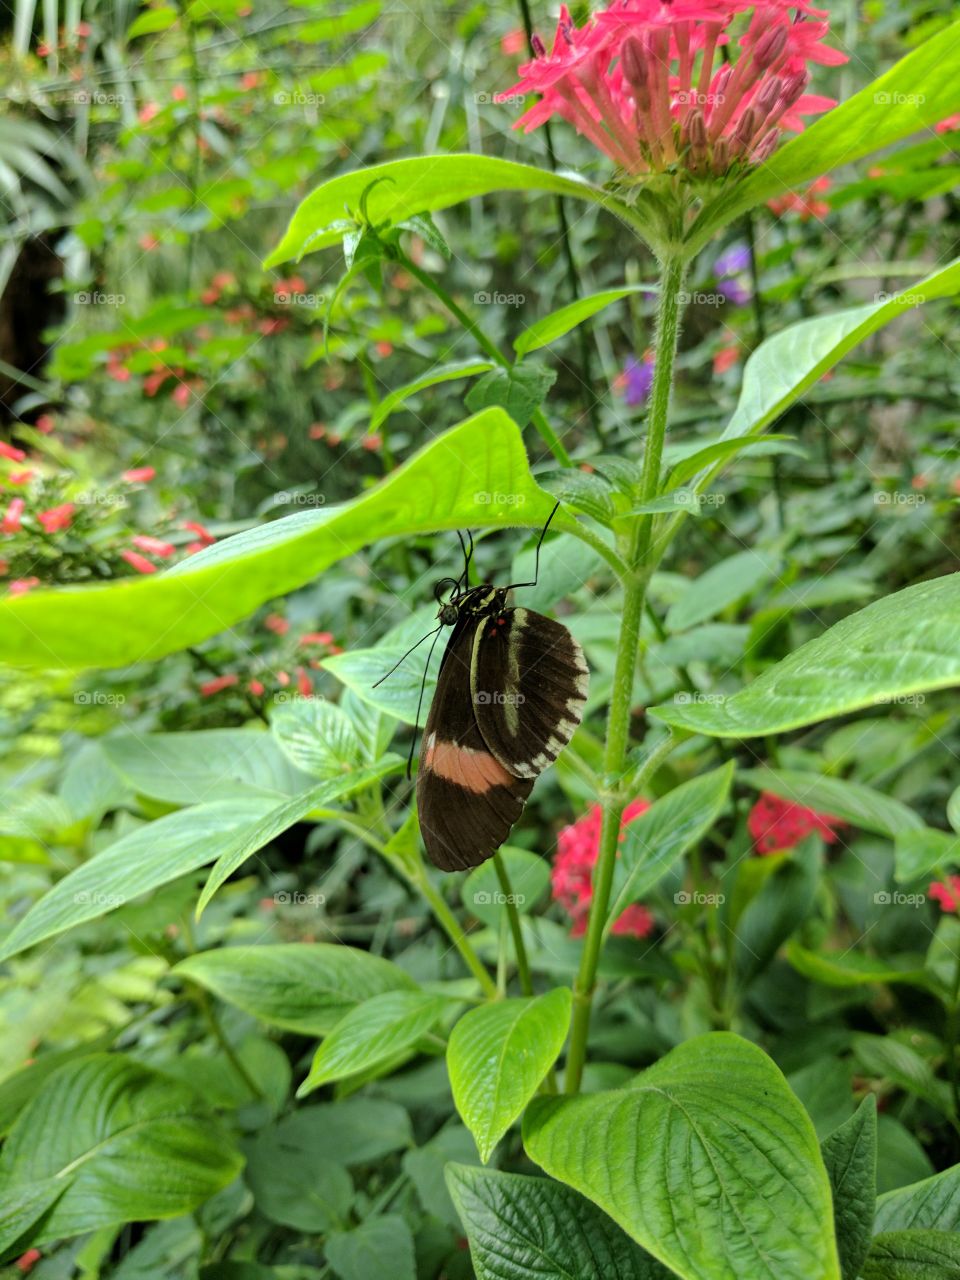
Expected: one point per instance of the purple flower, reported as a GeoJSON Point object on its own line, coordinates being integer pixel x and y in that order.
{"type": "Point", "coordinates": [732, 261]}
{"type": "Point", "coordinates": [637, 379]}
{"type": "Point", "coordinates": [736, 291]}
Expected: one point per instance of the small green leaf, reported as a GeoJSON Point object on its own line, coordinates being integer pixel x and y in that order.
{"type": "Point", "coordinates": [722, 450]}
{"type": "Point", "coordinates": [297, 1185]}
{"type": "Point", "coordinates": [850, 1157]}
{"type": "Point", "coordinates": [777, 911]}
{"type": "Point", "coordinates": [520, 390]}
{"type": "Point", "coordinates": [439, 373]}
{"type": "Point", "coordinates": [498, 1055]}
{"type": "Point", "coordinates": [675, 1160]}
{"type": "Point", "coordinates": [886, 1058]}
{"type": "Point", "coordinates": [850, 968]}
{"type": "Point", "coordinates": [933, 1204]}
{"type": "Point", "coordinates": [534, 1227]}
{"type": "Point", "coordinates": [316, 735]}
{"type": "Point", "coordinates": [913, 1255]}
{"type": "Point", "coordinates": [377, 1247]}
{"type": "Point", "coordinates": [557, 323]}
{"type": "Point", "coordinates": [905, 643]}
{"type": "Point", "coordinates": [377, 1030]}
{"type": "Point", "coordinates": [721, 586]}
{"type": "Point", "coordinates": [836, 797]}
{"type": "Point", "coordinates": [152, 22]}
{"type": "Point", "coordinates": [305, 987]}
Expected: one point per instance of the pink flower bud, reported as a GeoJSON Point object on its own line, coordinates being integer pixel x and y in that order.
{"type": "Point", "coordinates": [769, 48]}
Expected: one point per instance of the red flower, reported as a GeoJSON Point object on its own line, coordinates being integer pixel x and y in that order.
{"type": "Point", "coordinates": [179, 93]}
{"type": "Point", "coordinates": [372, 443]}
{"type": "Point", "coordinates": [642, 80]}
{"type": "Point", "coordinates": [11, 451]}
{"type": "Point", "coordinates": [139, 475]}
{"type": "Point", "coordinates": [726, 358]}
{"type": "Point", "coordinates": [20, 586]}
{"type": "Point", "coordinates": [947, 894]}
{"type": "Point", "coordinates": [136, 561]}
{"type": "Point", "coordinates": [513, 42]}
{"type": "Point", "coordinates": [204, 534]}
{"type": "Point", "coordinates": [779, 824]}
{"type": "Point", "coordinates": [11, 521]}
{"type": "Point", "coordinates": [21, 477]}
{"type": "Point", "coordinates": [304, 683]}
{"type": "Point", "coordinates": [148, 112]}
{"type": "Point", "coordinates": [57, 518]}
{"type": "Point", "coordinates": [948, 125]}
{"type": "Point", "coordinates": [806, 204]}
{"type": "Point", "coordinates": [316, 637]}
{"type": "Point", "coordinates": [572, 875]}
{"type": "Point", "coordinates": [217, 683]}
{"type": "Point", "coordinates": [154, 546]}
{"type": "Point", "coordinates": [277, 624]}
{"type": "Point", "coordinates": [317, 431]}
{"type": "Point", "coordinates": [27, 1261]}
{"type": "Point", "coordinates": [45, 423]}
{"type": "Point", "coordinates": [256, 688]}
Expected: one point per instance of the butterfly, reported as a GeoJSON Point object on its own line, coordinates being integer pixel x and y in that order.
{"type": "Point", "coordinates": [510, 694]}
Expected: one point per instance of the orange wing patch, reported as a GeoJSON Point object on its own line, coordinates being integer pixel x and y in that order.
{"type": "Point", "coordinates": [477, 771]}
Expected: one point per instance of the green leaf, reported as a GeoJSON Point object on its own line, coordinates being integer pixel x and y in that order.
{"type": "Point", "coordinates": [903, 644]}
{"type": "Point", "coordinates": [933, 1204]}
{"type": "Point", "coordinates": [913, 1255]}
{"type": "Point", "coordinates": [498, 1055]}
{"type": "Point", "coordinates": [439, 373]}
{"type": "Point", "coordinates": [557, 323]}
{"type": "Point", "coordinates": [377, 1247]}
{"type": "Point", "coordinates": [658, 838]}
{"type": "Point", "coordinates": [886, 1058]}
{"type": "Point", "coordinates": [913, 95]}
{"type": "Point", "coordinates": [521, 1227]}
{"type": "Point", "coordinates": [140, 619]}
{"type": "Point", "coordinates": [151, 22]}
{"type": "Point", "coordinates": [21, 1209]}
{"type": "Point", "coordinates": [401, 188]}
{"type": "Point", "coordinates": [709, 1162]}
{"type": "Point", "coordinates": [358, 1130]}
{"type": "Point", "coordinates": [837, 798]}
{"type": "Point", "coordinates": [721, 586]}
{"type": "Point", "coordinates": [206, 764]}
{"type": "Point", "coordinates": [520, 390]}
{"type": "Point", "coordinates": [316, 735]}
{"type": "Point", "coordinates": [304, 987]}
{"type": "Point", "coordinates": [953, 809]}
{"type": "Point", "coordinates": [850, 1157]}
{"type": "Point", "coordinates": [297, 1185]}
{"type": "Point", "coordinates": [777, 911]}
{"type": "Point", "coordinates": [924, 851]}
{"type": "Point", "coordinates": [380, 1028]}
{"type": "Point", "coordinates": [850, 968]}
{"type": "Point", "coordinates": [721, 450]}
{"type": "Point", "coordinates": [283, 816]}
{"type": "Point", "coordinates": [529, 876]}
{"type": "Point", "coordinates": [399, 695]}
{"type": "Point", "coordinates": [125, 1142]}
{"type": "Point", "coordinates": [147, 857]}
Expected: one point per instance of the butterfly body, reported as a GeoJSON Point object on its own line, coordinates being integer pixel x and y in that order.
{"type": "Point", "coordinates": [509, 696]}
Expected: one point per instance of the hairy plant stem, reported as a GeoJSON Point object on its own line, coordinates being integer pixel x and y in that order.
{"type": "Point", "coordinates": [636, 551]}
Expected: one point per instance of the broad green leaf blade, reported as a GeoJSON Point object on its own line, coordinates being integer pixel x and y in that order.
{"type": "Point", "coordinates": [405, 187]}
{"type": "Point", "coordinates": [377, 1247]}
{"type": "Point", "coordinates": [790, 362]}
{"type": "Point", "coordinates": [919, 853]}
{"type": "Point", "coordinates": [721, 450]}
{"type": "Point", "coordinates": [203, 765]}
{"type": "Point", "coordinates": [283, 816]}
{"type": "Point", "coordinates": [139, 619]}
{"type": "Point", "coordinates": [357, 1130]}
{"type": "Point", "coordinates": [128, 1144]}
{"type": "Point", "coordinates": [708, 1161]}
{"type": "Point", "coordinates": [22, 1207]}
{"type": "Point", "coordinates": [887, 1058]}
{"type": "Point", "coordinates": [913, 1255]}
{"type": "Point", "coordinates": [851, 968]}
{"type": "Point", "coordinates": [316, 735]}
{"type": "Point", "coordinates": [850, 1157]}
{"type": "Point", "coordinates": [296, 1185]}
{"type": "Point", "coordinates": [379, 1029]}
{"type": "Point", "coordinates": [658, 838]}
{"type": "Point", "coordinates": [933, 1204]}
{"type": "Point", "coordinates": [136, 863]}
{"type": "Point", "coordinates": [913, 95]}
{"type": "Point", "coordinates": [837, 798]}
{"type": "Point", "coordinates": [398, 696]}
{"type": "Point", "coordinates": [784, 901]}
{"type": "Point", "coordinates": [722, 585]}
{"type": "Point", "coordinates": [498, 1055]}
{"type": "Point", "coordinates": [439, 373]}
{"type": "Point", "coordinates": [557, 323]}
{"type": "Point", "coordinates": [304, 987]}
{"type": "Point", "coordinates": [903, 644]}
{"type": "Point", "coordinates": [521, 1227]}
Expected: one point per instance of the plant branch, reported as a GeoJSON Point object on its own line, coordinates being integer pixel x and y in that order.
{"type": "Point", "coordinates": [513, 916]}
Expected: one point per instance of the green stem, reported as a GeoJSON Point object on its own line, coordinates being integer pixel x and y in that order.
{"type": "Point", "coordinates": [953, 1015]}
{"type": "Point", "coordinates": [456, 934]}
{"type": "Point", "coordinates": [213, 1022]}
{"type": "Point", "coordinates": [637, 544]}
{"type": "Point", "coordinates": [513, 915]}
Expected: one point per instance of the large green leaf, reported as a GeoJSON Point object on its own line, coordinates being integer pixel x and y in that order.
{"type": "Point", "coordinates": [903, 644]}
{"type": "Point", "coordinates": [850, 1156]}
{"type": "Point", "coordinates": [553, 326]}
{"type": "Point", "coordinates": [377, 1247]}
{"type": "Point", "coordinates": [498, 1055]}
{"type": "Point", "coordinates": [920, 852]}
{"type": "Point", "coordinates": [933, 1204]}
{"type": "Point", "coordinates": [709, 1162]}
{"type": "Point", "coordinates": [22, 1207]}
{"type": "Point", "coordinates": [913, 1255]}
{"type": "Point", "coordinates": [523, 1228]}
{"type": "Point", "coordinates": [836, 797]}
{"type": "Point", "coordinates": [298, 1184]}
{"type": "Point", "coordinates": [655, 840]}
{"type": "Point", "coordinates": [373, 1032]}
{"type": "Point", "coordinates": [912, 96]}
{"type": "Point", "coordinates": [305, 987]}
{"type": "Point", "coordinates": [127, 1143]}
{"type": "Point", "coordinates": [476, 474]}
{"type": "Point", "coordinates": [400, 188]}
{"type": "Point", "coordinates": [150, 856]}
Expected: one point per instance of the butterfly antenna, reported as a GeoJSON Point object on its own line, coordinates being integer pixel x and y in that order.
{"type": "Point", "coordinates": [536, 559]}
{"type": "Point", "coordinates": [467, 555]}
{"type": "Point", "coordinates": [408, 653]}
{"type": "Point", "coordinates": [423, 685]}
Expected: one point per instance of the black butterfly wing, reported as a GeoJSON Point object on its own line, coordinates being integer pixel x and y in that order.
{"type": "Point", "coordinates": [466, 800]}
{"type": "Point", "coordinates": [529, 682]}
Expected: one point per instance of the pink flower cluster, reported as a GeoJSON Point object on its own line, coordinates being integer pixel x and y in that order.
{"type": "Point", "coordinates": [572, 876]}
{"type": "Point", "coordinates": [947, 893]}
{"type": "Point", "coordinates": [779, 824]}
{"type": "Point", "coordinates": [654, 85]}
